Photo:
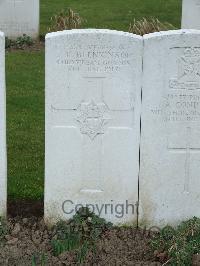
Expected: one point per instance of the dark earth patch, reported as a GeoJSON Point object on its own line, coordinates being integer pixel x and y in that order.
{"type": "Point", "coordinates": [25, 208]}
{"type": "Point", "coordinates": [28, 241]}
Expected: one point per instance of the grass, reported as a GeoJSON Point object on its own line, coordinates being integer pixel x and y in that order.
{"type": "Point", "coordinates": [25, 83]}
{"type": "Point", "coordinates": [25, 124]}
{"type": "Point", "coordinates": [114, 14]}
{"type": "Point", "coordinates": [180, 243]}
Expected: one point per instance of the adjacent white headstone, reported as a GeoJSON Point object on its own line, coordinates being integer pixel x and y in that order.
{"type": "Point", "coordinates": [3, 161]}
{"type": "Point", "coordinates": [170, 141]}
{"type": "Point", "coordinates": [191, 14]}
{"type": "Point", "coordinates": [93, 98]}
{"type": "Point", "coordinates": [18, 17]}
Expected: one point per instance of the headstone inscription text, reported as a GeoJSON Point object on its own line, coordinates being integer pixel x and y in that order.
{"type": "Point", "coordinates": [92, 120]}
{"type": "Point", "coordinates": [175, 113]}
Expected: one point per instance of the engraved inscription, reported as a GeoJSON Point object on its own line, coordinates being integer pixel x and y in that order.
{"type": "Point", "coordinates": [182, 101]}
{"type": "Point", "coordinates": [96, 58]}
{"type": "Point", "coordinates": [180, 105]}
{"type": "Point", "coordinates": [92, 118]}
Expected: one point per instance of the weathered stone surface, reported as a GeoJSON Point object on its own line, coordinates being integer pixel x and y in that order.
{"type": "Point", "coordinates": [3, 161]}
{"type": "Point", "coordinates": [191, 14]}
{"type": "Point", "coordinates": [93, 98]}
{"type": "Point", "coordinates": [18, 17]}
{"type": "Point", "coordinates": [170, 141]}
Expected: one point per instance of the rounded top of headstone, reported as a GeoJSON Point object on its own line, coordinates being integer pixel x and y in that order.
{"type": "Point", "coordinates": [91, 31]}
{"type": "Point", "coordinates": [170, 33]}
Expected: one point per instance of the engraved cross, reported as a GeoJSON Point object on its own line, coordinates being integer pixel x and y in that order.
{"type": "Point", "coordinates": [92, 117]}
{"type": "Point", "coordinates": [187, 149]}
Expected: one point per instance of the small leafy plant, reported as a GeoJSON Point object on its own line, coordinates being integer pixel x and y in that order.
{"type": "Point", "coordinates": [179, 244]}
{"type": "Point", "coordinates": [20, 43]}
{"type": "Point", "coordinates": [79, 234]}
{"type": "Point", "coordinates": [39, 259]}
{"type": "Point", "coordinates": [146, 26]}
{"type": "Point", "coordinates": [23, 41]}
{"type": "Point", "coordinates": [66, 19]}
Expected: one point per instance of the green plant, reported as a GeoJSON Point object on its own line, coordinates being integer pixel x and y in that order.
{"type": "Point", "coordinates": [20, 43]}
{"type": "Point", "coordinates": [23, 41]}
{"type": "Point", "coordinates": [181, 243]}
{"type": "Point", "coordinates": [67, 19]}
{"type": "Point", "coordinates": [82, 252]}
{"type": "Point", "coordinates": [79, 234]}
{"type": "Point", "coordinates": [39, 259]}
{"type": "Point", "coordinates": [146, 26]}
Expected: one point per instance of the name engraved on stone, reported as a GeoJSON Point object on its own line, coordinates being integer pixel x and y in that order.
{"type": "Point", "coordinates": [93, 105]}
{"type": "Point", "coordinates": [185, 106]}
{"type": "Point", "coordinates": [96, 58]}
{"type": "Point", "coordinates": [182, 102]}
{"type": "Point", "coordinates": [170, 149]}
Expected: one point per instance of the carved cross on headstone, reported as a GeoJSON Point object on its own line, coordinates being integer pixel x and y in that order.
{"type": "Point", "coordinates": [92, 118]}
{"type": "Point", "coordinates": [185, 147]}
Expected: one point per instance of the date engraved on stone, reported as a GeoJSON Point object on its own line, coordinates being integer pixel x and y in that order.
{"type": "Point", "coordinates": [181, 103]}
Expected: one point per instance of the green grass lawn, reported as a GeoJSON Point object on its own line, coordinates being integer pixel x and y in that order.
{"type": "Point", "coordinates": [25, 84]}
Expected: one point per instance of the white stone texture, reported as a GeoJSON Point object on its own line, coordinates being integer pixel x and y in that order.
{"type": "Point", "coordinates": [170, 141]}
{"type": "Point", "coordinates": [191, 14]}
{"type": "Point", "coordinates": [93, 100]}
{"type": "Point", "coordinates": [18, 17]}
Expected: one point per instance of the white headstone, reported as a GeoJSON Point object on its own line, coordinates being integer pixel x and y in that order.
{"type": "Point", "coordinates": [3, 161]}
{"type": "Point", "coordinates": [191, 14]}
{"type": "Point", "coordinates": [170, 141]}
{"type": "Point", "coordinates": [93, 98]}
{"type": "Point", "coordinates": [18, 17]}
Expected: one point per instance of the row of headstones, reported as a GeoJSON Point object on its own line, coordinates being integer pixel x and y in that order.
{"type": "Point", "coordinates": [18, 17]}
{"type": "Point", "coordinates": [120, 108]}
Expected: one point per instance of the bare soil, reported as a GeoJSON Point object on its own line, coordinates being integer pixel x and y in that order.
{"type": "Point", "coordinates": [28, 237]}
